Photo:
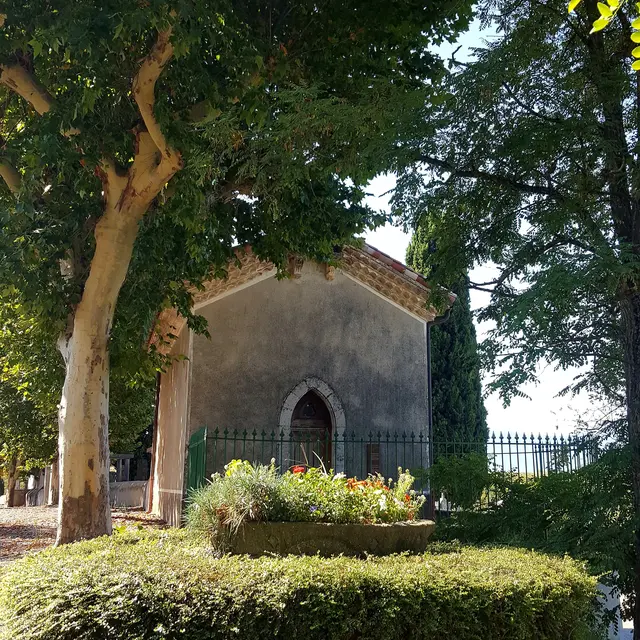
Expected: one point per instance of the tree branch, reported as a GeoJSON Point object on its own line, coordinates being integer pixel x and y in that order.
{"type": "Point", "coordinates": [155, 160]}
{"type": "Point", "coordinates": [493, 292]}
{"type": "Point", "coordinates": [507, 181]}
{"type": "Point", "coordinates": [19, 80]}
{"type": "Point", "coordinates": [529, 109]}
{"type": "Point", "coordinates": [144, 85]}
{"type": "Point", "coordinates": [113, 182]}
{"type": "Point", "coordinates": [11, 176]}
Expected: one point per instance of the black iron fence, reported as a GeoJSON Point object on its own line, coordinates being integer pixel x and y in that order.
{"type": "Point", "coordinates": [353, 453]}
{"type": "Point", "coordinates": [526, 455]}
{"type": "Point", "coordinates": [462, 470]}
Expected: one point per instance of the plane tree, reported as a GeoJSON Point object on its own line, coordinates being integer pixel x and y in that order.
{"type": "Point", "coordinates": [154, 136]}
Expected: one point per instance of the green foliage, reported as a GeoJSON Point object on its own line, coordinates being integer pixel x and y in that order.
{"type": "Point", "coordinates": [532, 166]}
{"type": "Point", "coordinates": [281, 115]}
{"type": "Point", "coordinates": [282, 104]}
{"type": "Point", "coordinates": [131, 409]}
{"type": "Point", "coordinates": [28, 414]}
{"type": "Point", "coordinates": [530, 196]}
{"type": "Point", "coordinates": [166, 585]}
{"type": "Point", "coordinates": [587, 514]}
{"type": "Point", "coordinates": [259, 493]}
{"type": "Point", "coordinates": [31, 376]}
{"type": "Point", "coordinates": [458, 407]}
{"type": "Point", "coordinates": [462, 479]}
{"type": "Point", "coordinates": [245, 493]}
{"type": "Point", "coordinates": [24, 431]}
{"type": "Point", "coordinates": [30, 380]}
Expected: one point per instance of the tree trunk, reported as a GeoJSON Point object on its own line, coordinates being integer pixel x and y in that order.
{"type": "Point", "coordinates": [154, 444]}
{"type": "Point", "coordinates": [630, 307]}
{"type": "Point", "coordinates": [84, 409]}
{"type": "Point", "coordinates": [12, 475]}
{"type": "Point", "coordinates": [54, 484]}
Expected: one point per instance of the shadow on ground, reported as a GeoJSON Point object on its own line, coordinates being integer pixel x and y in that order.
{"type": "Point", "coordinates": [27, 529]}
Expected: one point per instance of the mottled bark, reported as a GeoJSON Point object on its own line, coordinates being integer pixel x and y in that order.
{"type": "Point", "coordinates": [84, 408]}
{"type": "Point", "coordinates": [54, 484]}
{"type": "Point", "coordinates": [607, 74]}
{"type": "Point", "coordinates": [12, 476]}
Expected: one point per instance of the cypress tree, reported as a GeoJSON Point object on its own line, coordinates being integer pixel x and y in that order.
{"type": "Point", "coordinates": [458, 408]}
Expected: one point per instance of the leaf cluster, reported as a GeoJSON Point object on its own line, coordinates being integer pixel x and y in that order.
{"type": "Point", "coordinates": [587, 514]}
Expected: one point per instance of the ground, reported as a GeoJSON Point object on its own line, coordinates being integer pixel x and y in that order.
{"type": "Point", "coordinates": [25, 529]}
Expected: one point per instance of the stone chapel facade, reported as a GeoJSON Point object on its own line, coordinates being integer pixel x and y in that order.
{"type": "Point", "coordinates": [306, 367]}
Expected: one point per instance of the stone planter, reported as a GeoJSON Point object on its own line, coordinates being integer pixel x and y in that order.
{"type": "Point", "coordinates": [309, 538]}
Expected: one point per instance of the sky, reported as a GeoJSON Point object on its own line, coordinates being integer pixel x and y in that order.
{"type": "Point", "coordinates": [544, 412]}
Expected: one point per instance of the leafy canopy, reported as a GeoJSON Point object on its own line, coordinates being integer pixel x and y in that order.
{"type": "Point", "coordinates": [281, 112]}
{"type": "Point", "coordinates": [529, 165]}
{"type": "Point", "coordinates": [284, 103]}
{"type": "Point", "coordinates": [31, 375]}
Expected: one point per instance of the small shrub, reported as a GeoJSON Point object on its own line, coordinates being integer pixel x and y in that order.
{"type": "Point", "coordinates": [587, 514]}
{"type": "Point", "coordinates": [462, 479]}
{"type": "Point", "coordinates": [245, 493]}
{"type": "Point", "coordinates": [257, 493]}
{"type": "Point", "coordinates": [165, 585]}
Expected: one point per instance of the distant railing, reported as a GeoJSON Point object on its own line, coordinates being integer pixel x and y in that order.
{"type": "Point", "coordinates": [471, 475]}
{"type": "Point", "coordinates": [527, 455]}
{"type": "Point", "coordinates": [360, 453]}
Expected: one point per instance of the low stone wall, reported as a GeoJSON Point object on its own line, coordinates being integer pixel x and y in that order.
{"type": "Point", "coordinates": [309, 538]}
{"type": "Point", "coordinates": [128, 494]}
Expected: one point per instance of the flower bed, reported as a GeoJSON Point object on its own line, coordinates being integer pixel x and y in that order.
{"type": "Point", "coordinates": [259, 494]}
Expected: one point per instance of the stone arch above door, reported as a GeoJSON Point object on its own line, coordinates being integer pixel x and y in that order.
{"type": "Point", "coordinates": [324, 391]}
{"type": "Point", "coordinates": [334, 405]}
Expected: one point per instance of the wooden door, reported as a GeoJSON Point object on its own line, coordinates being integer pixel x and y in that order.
{"type": "Point", "coordinates": [311, 432]}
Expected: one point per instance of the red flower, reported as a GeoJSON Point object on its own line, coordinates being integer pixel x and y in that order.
{"type": "Point", "coordinates": [407, 497]}
{"type": "Point", "coordinates": [298, 469]}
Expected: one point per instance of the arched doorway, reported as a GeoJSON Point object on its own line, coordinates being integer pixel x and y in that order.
{"type": "Point", "coordinates": [335, 426]}
{"type": "Point", "coordinates": [311, 431]}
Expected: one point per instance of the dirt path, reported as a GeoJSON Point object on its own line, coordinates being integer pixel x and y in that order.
{"type": "Point", "coordinates": [26, 529]}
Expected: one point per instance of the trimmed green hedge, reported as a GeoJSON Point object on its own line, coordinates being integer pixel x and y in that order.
{"type": "Point", "coordinates": [167, 585]}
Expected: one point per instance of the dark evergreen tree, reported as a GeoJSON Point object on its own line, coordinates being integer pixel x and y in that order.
{"type": "Point", "coordinates": [458, 408]}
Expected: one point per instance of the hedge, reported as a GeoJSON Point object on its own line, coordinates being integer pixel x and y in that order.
{"type": "Point", "coordinates": [168, 585]}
